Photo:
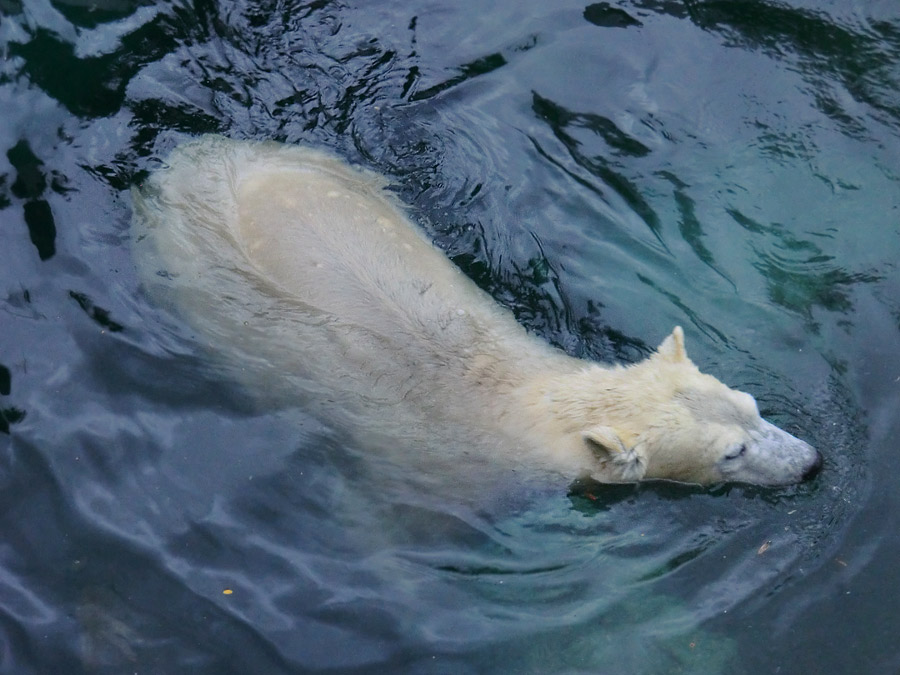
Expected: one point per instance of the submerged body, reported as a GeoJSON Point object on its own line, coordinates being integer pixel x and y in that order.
{"type": "Point", "coordinates": [309, 278]}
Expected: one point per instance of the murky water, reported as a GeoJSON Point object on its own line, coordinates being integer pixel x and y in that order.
{"type": "Point", "coordinates": [604, 170]}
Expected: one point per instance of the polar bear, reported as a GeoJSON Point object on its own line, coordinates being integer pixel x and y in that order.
{"type": "Point", "coordinates": [309, 278]}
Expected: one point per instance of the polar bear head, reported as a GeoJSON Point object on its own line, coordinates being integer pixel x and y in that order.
{"type": "Point", "coordinates": [664, 419]}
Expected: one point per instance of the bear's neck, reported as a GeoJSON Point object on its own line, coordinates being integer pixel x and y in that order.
{"type": "Point", "coordinates": [585, 390]}
{"type": "Point", "coordinates": [563, 403]}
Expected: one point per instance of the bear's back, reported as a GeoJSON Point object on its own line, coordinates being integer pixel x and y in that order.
{"type": "Point", "coordinates": [297, 263]}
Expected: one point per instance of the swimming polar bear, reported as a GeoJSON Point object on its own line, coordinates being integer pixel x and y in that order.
{"type": "Point", "coordinates": [309, 278]}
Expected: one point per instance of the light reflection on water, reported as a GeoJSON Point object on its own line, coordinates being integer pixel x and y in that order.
{"type": "Point", "coordinates": [604, 171]}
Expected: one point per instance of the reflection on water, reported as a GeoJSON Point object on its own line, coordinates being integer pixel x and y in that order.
{"type": "Point", "coordinates": [605, 170]}
{"type": "Point", "coordinates": [859, 57]}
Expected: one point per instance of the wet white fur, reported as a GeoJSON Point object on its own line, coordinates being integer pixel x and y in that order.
{"type": "Point", "coordinates": [308, 277]}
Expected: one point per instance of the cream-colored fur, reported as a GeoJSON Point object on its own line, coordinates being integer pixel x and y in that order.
{"type": "Point", "coordinates": [309, 278]}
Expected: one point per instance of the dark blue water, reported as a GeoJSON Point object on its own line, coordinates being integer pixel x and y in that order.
{"type": "Point", "coordinates": [606, 171]}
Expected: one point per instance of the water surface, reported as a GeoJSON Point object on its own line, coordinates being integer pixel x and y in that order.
{"type": "Point", "coordinates": [605, 171]}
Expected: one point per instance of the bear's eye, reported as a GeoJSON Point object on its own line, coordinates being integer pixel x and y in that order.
{"type": "Point", "coordinates": [739, 452]}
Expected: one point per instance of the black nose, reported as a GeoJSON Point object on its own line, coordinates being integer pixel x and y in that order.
{"type": "Point", "coordinates": [815, 467]}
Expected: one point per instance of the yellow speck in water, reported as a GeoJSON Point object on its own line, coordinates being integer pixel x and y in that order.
{"type": "Point", "coordinates": [227, 591]}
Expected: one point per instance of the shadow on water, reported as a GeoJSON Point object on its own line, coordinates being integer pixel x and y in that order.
{"type": "Point", "coordinates": [582, 165]}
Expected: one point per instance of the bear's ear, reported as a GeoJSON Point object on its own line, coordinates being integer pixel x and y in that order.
{"type": "Point", "coordinates": [672, 348]}
{"type": "Point", "coordinates": [618, 461]}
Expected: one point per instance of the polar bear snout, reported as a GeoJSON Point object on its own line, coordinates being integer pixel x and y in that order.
{"type": "Point", "coordinates": [803, 461]}
{"type": "Point", "coordinates": [775, 457]}
{"type": "Point", "coordinates": [813, 469]}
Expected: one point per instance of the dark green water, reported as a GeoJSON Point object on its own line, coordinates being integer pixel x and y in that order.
{"type": "Point", "coordinates": [606, 171]}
